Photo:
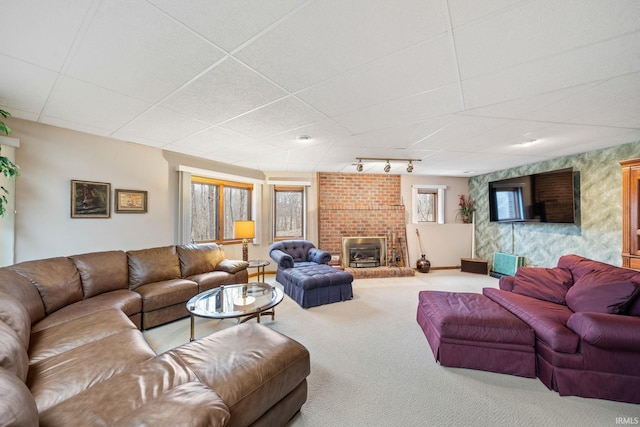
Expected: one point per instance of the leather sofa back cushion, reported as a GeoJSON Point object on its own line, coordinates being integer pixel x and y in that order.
{"type": "Point", "coordinates": [20, 288]}
{"type": "Point", "coordinates": [102, 272]}
{"type": "Point", "coordinates": [17, 406]}
{"type": "Point", "coordinates": [15, 316]}
{"type": "Point", "coordinates": [56, 279]}
{"type": "Point", "coordinates": [547, 284]}
{"type": "Point", "coordinates": [599, 292]}
{"type": "Point", "coordinates": [198, 259]}
{"type": "Point", "coordinates": [153, 265]}
{"type": "Point", "coordinates": [13, 356]}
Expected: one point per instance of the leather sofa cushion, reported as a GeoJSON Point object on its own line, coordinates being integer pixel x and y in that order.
{"type": "Point", "coordinates": [212, 280]}
{"type": "Point", "coordinates": [142, 383]}
{"type": "Point", "coordinates": [60, 377]}
{"type": "Point", "coordinates": [599, 292]}
{"type": "Point", "coordinates": [194, 404]}
{"type": "Point", "coordinates": [57, 280]}
{"type": "Point", "coordinates": [17, 407]}
{"type": "Point", "coordinates": [250, 366]}
{"type": "Point", "coordinates": [102, 271]}
{"type": "Point", "coordinates": [232, 266]}
{"type": "Point", "coordinates": [547, 284]}
{"type": "Point", "coordinates": [13, 356]}
{"type": "Point", "coordinates": [20, 288]}
{"type": "Point", "coordinates": [198, 259]}
{"type": "Point", "coordinates": [153, 265]}
{"type": "Point", "coordinates": [129, 302]}
{"type": "Point", "coordinates": [164, 294]}
{"type": "Point", "coordinates": [580, 266]}
{"type": "Point", "coordinates": [547, 319]}
{"type": "Point", "coordinates": [15, 316]}
{"type": "Point", "coordinates": [74, 333]}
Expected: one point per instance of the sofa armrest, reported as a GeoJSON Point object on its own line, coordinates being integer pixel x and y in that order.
{"type": "Point", "coordinates": [605, 330]}
{"type": "Point", "coordinates": [319, 256]}
{"type": "Point", "coordinates": [283, 259]}
{"type": "Point", "coordinates": [231, 265]}
{"type": "Point", "coordinates": [506, 283]}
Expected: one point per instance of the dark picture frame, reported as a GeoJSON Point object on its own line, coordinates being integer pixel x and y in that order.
{"type": "Point", "coordinates": [131, 201]}
{"type": "Point", "coordinates": [90, 199]}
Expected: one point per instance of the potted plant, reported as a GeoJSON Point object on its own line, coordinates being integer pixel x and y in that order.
{"type": "Point", "coordinates": [465, 208]}
{"type": "Point", "coordinates": [7, 167]}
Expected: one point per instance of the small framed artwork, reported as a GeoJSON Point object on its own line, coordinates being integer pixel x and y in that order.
{"type": "Point", "coordinates": [90, 199]}
{"type": "Point", "coordinates": [131, 201]}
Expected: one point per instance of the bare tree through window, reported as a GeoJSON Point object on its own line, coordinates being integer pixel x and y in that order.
{"type": "Point", "coordinates": [288, 212]}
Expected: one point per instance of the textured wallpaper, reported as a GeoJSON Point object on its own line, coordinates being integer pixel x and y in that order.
{"type": "Point", "coordinates": [599, 234]}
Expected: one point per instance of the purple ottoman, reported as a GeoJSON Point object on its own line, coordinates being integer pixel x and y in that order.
{"type": "Point", "coordinates": [467, 330]}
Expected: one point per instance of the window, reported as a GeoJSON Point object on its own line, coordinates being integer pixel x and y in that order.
{"type": "Point", "coordinates": [428, 204]}
{"type": "Point", "coordinates": [288, 213]}
{"type": "Point", "coordinates": [215, 206]}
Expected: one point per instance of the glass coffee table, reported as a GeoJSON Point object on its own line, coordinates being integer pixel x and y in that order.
{"type": "Point", "coordinates": [242, 301]}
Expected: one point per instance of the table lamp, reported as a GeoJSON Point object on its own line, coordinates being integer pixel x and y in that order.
{"type": "Point", "coordinates": [245, 230]}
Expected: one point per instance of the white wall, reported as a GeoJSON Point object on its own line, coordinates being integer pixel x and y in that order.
{"type": "Point", "coordinates": [50, 157]}
{"type": "Point", "coordinates": [443, 244]}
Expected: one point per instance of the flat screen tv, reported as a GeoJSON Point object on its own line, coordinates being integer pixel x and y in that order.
{"type": "Point", "coordinates": [549, 197]}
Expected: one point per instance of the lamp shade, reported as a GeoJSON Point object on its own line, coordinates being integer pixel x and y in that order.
{"type": "Point", "coordinates": [245, 229]}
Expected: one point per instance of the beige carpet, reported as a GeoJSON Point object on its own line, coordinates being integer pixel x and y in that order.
{"type": "Point", "coordinates": [372, 366]}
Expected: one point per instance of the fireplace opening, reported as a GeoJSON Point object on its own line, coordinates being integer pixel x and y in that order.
{"type": "Point", "coordinates": [364, 255]}
{"type": "Point", "coordinates": [364, 252]}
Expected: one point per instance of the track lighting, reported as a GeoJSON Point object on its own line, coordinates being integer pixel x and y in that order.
{"type": "Point", "coordinates": [410, 167]}
{"type": "Point", "coordinates": [387, 165]}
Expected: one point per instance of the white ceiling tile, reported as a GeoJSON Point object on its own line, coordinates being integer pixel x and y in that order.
{"type": "Point", "coordinates": [78, 102]}
{"type": "Point", "coordinates": [419, 68]}
{"type": "Point", "coordinates": [464, 12]}
{"type": "Point", "coordinates": [539, 29]}
{"type": "Point", "coordinates": [228, 90]}
{"type": "Point", "coordinates": [29, 98]}
{"type": "Point", "coordinates": [323, 132]}
{"type": "Point", "coordinates": [277, 117]}
{"type": "Point", "coordinates": [142, 52]}
{"type": "Point", "coordinates": [160, 125]}
{"type": "Point", "coordinates": [330, 37]}
{"type": "Point", "coordinates": [41, 33]}
{"type": "Point", "coordinates": [615, 57]}
{"type": "Point", "coordinates": [231, 23]}
{"type": "Point", "coordinates": [212, 140]}
{"type": "Point", "coordinates": [414, 108]}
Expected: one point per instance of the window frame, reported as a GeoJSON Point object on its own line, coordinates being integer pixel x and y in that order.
{"type": "Point", "coordinates": [290, 188]}
{"type": "Point", "coordinates": [439, 190]}
{"type": "Point", "coordinates": [221, 204]}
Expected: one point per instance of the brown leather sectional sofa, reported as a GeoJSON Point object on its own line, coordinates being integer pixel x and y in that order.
{"type": "Point", "coordinates": [72, 352]}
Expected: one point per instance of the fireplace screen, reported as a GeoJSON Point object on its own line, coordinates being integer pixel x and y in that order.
{"type": "Point", "coordinates": [363, 252]}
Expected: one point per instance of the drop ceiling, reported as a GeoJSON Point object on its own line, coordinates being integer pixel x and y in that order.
{"type": "Point", "coordinates": [466, 86]}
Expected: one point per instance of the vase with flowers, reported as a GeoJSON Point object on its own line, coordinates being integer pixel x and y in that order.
{"type": "Point", "coordinates": [465, 208]}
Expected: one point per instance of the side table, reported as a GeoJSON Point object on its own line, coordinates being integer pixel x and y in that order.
{"type": "Point", "coordinates": [260, 264]}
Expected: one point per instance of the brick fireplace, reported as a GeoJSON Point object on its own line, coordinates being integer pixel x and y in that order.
{"type": "Point", "coordinates": [360, 205]}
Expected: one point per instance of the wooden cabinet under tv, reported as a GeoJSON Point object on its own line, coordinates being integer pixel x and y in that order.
{"type": "Point", "coordinates": [631, 213]}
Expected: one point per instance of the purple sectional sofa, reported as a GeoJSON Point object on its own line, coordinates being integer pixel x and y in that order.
{"type": "Point", "coordinates": [585, 316]}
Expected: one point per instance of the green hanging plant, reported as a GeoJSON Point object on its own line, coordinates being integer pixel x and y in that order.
{"type": "Point", "coordinates": [7, 167]}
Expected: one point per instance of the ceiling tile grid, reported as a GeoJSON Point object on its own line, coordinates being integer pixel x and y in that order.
{"type": "Point", "coordinates": [461, 84]}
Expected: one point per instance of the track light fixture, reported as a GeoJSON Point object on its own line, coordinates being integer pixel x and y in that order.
{"type": "Point", "coordinates": [387, 166]}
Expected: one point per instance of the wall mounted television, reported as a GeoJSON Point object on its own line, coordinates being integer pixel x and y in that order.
{"type": "Point", "coordinates": [548, 197]}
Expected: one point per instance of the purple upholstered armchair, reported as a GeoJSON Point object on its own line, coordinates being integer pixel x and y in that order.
{"type": "Point", "coordinates": [297, 253]}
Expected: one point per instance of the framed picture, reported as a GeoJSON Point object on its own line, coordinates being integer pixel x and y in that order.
{"type": "Point", "coordinates": [131, 201]}
{"type": "Point", "coordinates": [90, 199]}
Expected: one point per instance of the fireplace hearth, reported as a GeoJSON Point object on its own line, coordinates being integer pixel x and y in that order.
{"type": "Point", "coordinates": [364, 252]}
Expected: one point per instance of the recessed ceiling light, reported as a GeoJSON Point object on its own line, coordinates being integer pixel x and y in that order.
{"type": "Point", "coordinates": [304, 138]}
